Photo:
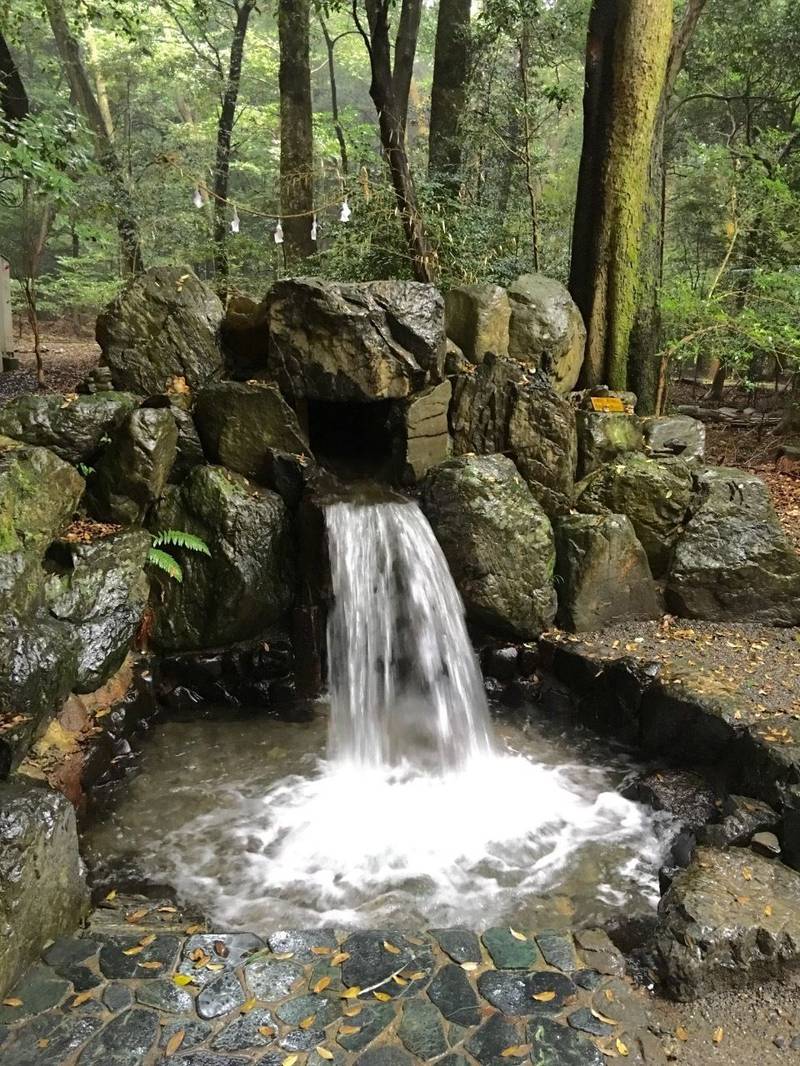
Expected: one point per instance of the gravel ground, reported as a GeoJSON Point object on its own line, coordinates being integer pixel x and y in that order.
{"type": "Point", "coordinates": [66, 360]}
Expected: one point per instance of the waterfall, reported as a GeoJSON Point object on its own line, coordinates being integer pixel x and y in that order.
{"type": "Point", "coordinates": [405, 687]}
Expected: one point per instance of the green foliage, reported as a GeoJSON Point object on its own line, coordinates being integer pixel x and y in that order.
{"type": "Point", "coordinates": [174, 538]}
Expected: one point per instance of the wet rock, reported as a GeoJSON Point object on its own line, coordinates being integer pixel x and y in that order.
{"type": "Point", "coordinates": [741, 818]}
{"type": "Point", "coordinates": [38, 496]}
{"type": "Point", "coordinates": [210, 1058]}
{"type": "Point", "coordinates": [117, 997]}
{"type": "Point", "coordinates": [421, 1030]}
{"type": "Point", "coordinates": [272, 980]}
{"type": "Point", "coordinates": [546, 329]}
{"type": "Point", "coordinates": [246, 584]}
{"type": "Point", "coordinates": [165, 996]}
{"type": "Point", "coordinates": [242, 427]}
{"type": "Point", "coordinates": [675, 435]}
{"type": "Point", "coordinates": [68, 957]}
{"type": "Point", "coordinates": [509, 952]}
{"type": "Point", "coordinates": [512, 991]}
{"type": "Point", "coordinates": [74, 427]}
{"type": "Point", "coordinates": [126, 1039]}
{"type": "Point", "coordinates": [461, 945]}
{"type": "Point", "coordinates": [766, 844]}
{"type": "Point", "coordinates": [345, 341]}
{"type": "Point", "coordinates": [557, 950]}
{"type": "Point", "coordinates": [583, 1020]}
{"type": "Point", "coordinates": [490, 1044]}
{"type": "Point", "coordinates": [599, 953]}
{"type": "Point", "coordinates": [654, 495]}
{"type": "Point", "coordinates": [163, 326]}
{"type": "Point", "coordinates": [118, 966]}
{"type": "Point", "coordinates": [687, 796]}
{"type": "Point", "coordinates": [322, 1009]}
{"type": "Point", "coordinates": [385, 1055]}
{"type": "Point", "coordinates": [64, 1036]}
{"type": "Point", "coordinates": [425, 430]}
{"type": "Point", "coordinates": [455, 997]}
{"type": "Point", "coordinates": [588, 979]}
{"type": "Point", "coordinates": [501, 407]}
{"type": "Point", "coordinates": [302, 1039]}
{"type": "Point", "coordinates": [553, 1044]}
{"type": "Point", "coordinates": [229, 948]}
{"type": "Point", "coordinates": [733, 561]}
{"type": "Point", "coordinates": [221, 996]}
{"type": "Point", "coordinates": [189, 451]}
{"type": "Point", "coordinates": [42, 891]}
{"type": "Point", "coordinates": [602, 437]}
{"type": "Point", "coordinates": [371, 1022]}
{"type": "Point", "coordinates": [194, 1032]}
{"type": "Point", "coordinates": [40, 990]}
{"type": "Point", "coordinates": [301, 942]}
{"type": "Point", "coordinates": [731, 919]}
{"type": "Point", "coordinates": [245, 1032]}
{"type": "Point", "coordinates": [102, 599]}
{"type": "Point", "coordinates": [603, 572]}
{"type": "Point", "coordinates": [370, 963]}
{"type": "Point", "coordinates": [477, 319]}
{"type": "Point", "coordinates": [498, 543]}
{"type": "Point", "coordinates": [134, 469]}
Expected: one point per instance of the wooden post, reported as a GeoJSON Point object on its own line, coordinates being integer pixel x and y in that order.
{"type": "Point", "coordinates": [6, 335]}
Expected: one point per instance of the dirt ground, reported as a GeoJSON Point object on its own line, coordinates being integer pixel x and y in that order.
{"type": "Point", "coordinates": [67, 359]}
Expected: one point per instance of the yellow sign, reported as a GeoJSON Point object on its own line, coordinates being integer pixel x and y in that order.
{"type": "Point", "coordinates": [608, 404]}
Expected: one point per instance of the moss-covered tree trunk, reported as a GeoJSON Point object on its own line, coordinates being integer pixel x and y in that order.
{"type": "Point", "coordinates": [626, 62]}
{"type": "Point", "coordinates": [297, 133]}
{"type": "Point", "coordinates": [449, 89]}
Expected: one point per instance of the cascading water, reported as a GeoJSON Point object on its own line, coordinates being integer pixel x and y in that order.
{"type": "Point", "coordinates": [419, 815]}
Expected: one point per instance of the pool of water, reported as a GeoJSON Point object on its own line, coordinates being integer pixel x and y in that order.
{"type": "Point", "coordinates": [247, 821]}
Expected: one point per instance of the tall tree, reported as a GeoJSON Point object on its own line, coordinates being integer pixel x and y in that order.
{"type": "Point", "coordinates": [13, 97]}
{"type": "Point", "coordinates": [297, 132]}
{"type": "Point", "coordinates": [626, 63]}
{"type": "Point", "coordinates": [449, 90]}
{"type": "Point", "coordinates": [81, 87]}
{"type": "Point", "coordinates": [405, 51]}
{"type": "Point", "coordinates": [330, 48]}
{"type": "Point", "coordinates": [391, 121]}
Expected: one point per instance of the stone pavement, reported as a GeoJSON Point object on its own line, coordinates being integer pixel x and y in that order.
{"type": "Point", "coordinates": [145, 983]}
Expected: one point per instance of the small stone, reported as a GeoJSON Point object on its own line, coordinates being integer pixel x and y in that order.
{"type": "Point", "coordinates": [421, 1030]}
{"type": "Point", "coordinates": [599, 953]}
{"type": "Point", "coordinates": [558, 950]}
{"type": "Point", "coordinates": [272, 980]}
{"type": "Point", "coordinates": [126, 1039]}
{"type": "Point", "coordinates": [65, 1035]}
{"type": "Point", "coordinates": [553, 1044]}
{"type": "Point", "coordinates": [209, 1058]}
{"type": "Point", "coordinates": [220, 996]}
{"type": "Point", "coordinates": [67, 951]}
{"type": "Point", "coordinates": [779, 1042]}
{"type": "Point", "coordinates": [794, 1043]}
{"type": "Point", "coordinates": [323, 1009]}
{"type": "Point", "coordinates": [117, 997]}
{"type": "Point", "coordinates": [461, 945]}
{"type": "Point", "coordinates": [509, 953]}
{"type": "Point", "coordinates": [194, 1032]}
{"type": "Point", "coordinates": [588, 979]}
{"type": "Point", "coordinates": [385, 1055]}
{"type": "Point", "coordinates": [370, 962]}
{"type": "Point", "coordinates": [584, 1020]}
{"type": "Point", "coordinates": [39, 990]}
{"type": "Point", "coordinates": [766, 844]}
{"type": "Point", "coordinates": [302, 1039]}
{"type": "Point", "coordinates": [513, 992]}
{"type": "Point", "coordinates": [231, 949]}
{"type": "Point", "coordinates": [118, 966]}
{"type": "Point", "coordinates": [243, 1033]}
{"type": "Point", "coordinates": [165, 996]}
{"type": "Point", "coordinates": [301, 941]}
{"type": "Point", "coordinates": [455, 997]}
{"type": "Point", "coordinates": [493, 1038]}
{"type": "Point", "coordinates": [372, 1020]}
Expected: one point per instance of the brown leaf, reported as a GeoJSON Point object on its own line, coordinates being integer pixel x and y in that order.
{"type": "Point", "coordinates": [347, 1030]}
{"type": "Point", "coordinates": [391, 948]}
{"type": "Point", "coordinates": [222, 949]}
{"type": "Point", "coordinates": [265, 1030]}
{"type": "Point", "coordinates": [417, 975]}
{"type": "Point", "coordinates": [190, 930]}
{"type": "Point", "coordinates": [153, 965]}
{"type": "Point", "coordinates": [383, 997]}
{"type": "Point", "coordinates": [718, 1034]}
{"type": "Point", "coordinates": [174, 1043]}
{"type": "Point", "coordinates": [146, 941]}
{"type": "Point", "coordinates": [747, 873]}
{"type": "Point", "coordinates": [43, 1042]}
{"type": "Point", "coordinates": [768, 911]}
{"type": "Point", "coordinates": [133, 951]}
{"type": "Point", "coordinates": [341, 957]}
{"type": "Point", "coordinates": [82, 997]}
{"type": "Point", "coordinates": [515, 1051]}
{"type": "Point", "coordinates": [352, 1012]}
{"type": "Point", "coordinates": [321, 951]}
{"type": "Point", "coordinates": [12, 1001]}
{"type": "Point", "coordinates": [682, 1033]}
{"type": "Point", "coordinates": [321, 985]}
{"type": "Point", "coordinates": [306, 1023]}
{"type": "Point", "coordinates": [136, 916]}
{"type": "Point", "coordinates": [544, 997]}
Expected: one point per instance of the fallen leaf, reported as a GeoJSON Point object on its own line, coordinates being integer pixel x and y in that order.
{"type": "Point", "coordinates": [190, 930]}
{"type": "Point", "coordinates": [152, 965]}
{"type": "Point", "coordinates": [609, 994]}
{"type": "Point", "coordinates": [342, 956]}
{"type": "Point", "coordinates": [348, 1030]}
{"type": "Point", "coordinates": [146, 941]}
{"type": "Point", "coordinates": [747, 873]}
{"type": "Point", "coordinates": [391, 948]}
{"type": "Point", "coordinates": [133, 951]}
{"type": "Point", "coordinates": [515, 1051]}
{"type": "Point", "coordinates": [469, 966]}
{"type": "Point", "coordinates": [417, 975]}
{"type": "Point", "coordinates": [166, 910]}
{"type": "Point", "coordinates": [352, 1012]}
{"type": "Point", "coordinates": [768, 911]}
{"type": "Point", "coordinates": [282, 956]}
{"type": "Point", "coordinates": [321, 951]}
{"type": "Point", "coordinates": [682, 1032]}
{"type": "Point", "coordinates": [136, 916]}
{"type": "Point", "coordinates": [215, 967]}
{"type": "Point", "coordinates": [290, 1060]}
{"type": "Point", "coordinates": [174, 1042]}
{"type": "Point", "coordinates": [351, 993]}
{"type": "Point", "coordinates": [82, 997]}
{"type": "Point", "coordinates": [306, 1023]}
{"type": "Point", "coordinates": [112, 895]}
{"type": "Point", "coordinates": [12, 1001]}
{"type": "Point", "coordinates": [265, 1030]}
{"type": "Point", "coordinates": [43, 1042]}
{"type": "Point", "coordinates": [398, 980]}
{"type": "Point", "coordinates": [517, 936]}
{"type": "Point", "coordinates": [718, 1034]}
{"type": "Point", "coordinates": [604, 1018]}
{"type": "Point", "coordinates": [182, 979]}
{"type": "Point", "coordinates": [323, 1052]}
{"type": "Point", "coordinates": [621, 1048]}
{"type": "Point", "coordinates": [221, 949]}
{"type": "Point", "coordinates": [383, 997]}
{"type": "Point", "coordinates": [544, 997]}
{"type": "Point", "coordinates": [248, 1005]}
{"type": "Point", "coordinates": [322, 984]}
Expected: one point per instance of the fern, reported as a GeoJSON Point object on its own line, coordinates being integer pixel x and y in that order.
{"type": "Point", "coordinates": [165, 562]}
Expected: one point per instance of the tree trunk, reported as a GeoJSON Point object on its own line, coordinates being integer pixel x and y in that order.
{"type": "Point", "coordinates": [393, 139]}
{"type": "Point", "coordinates": [297, 134]}
{"type": "Point", "coordinates": [524, 43]}
{"type": "Point", "coordinates": [13, 97]}
{"type": "Point", "coordinates": [36, 222]}
{"type": "Point", "coordinates": [78, 79]}
{"type": "Point", "coordinates": [626, 63]}
{"type": "Point", "coordinates": [449, 90]}
{"type": "Point", "coordinates": [647, 333]}
{"type": "Point", "coordinates": [222, 164]}
{"type": "Point", "coordinates": [405, 50]}
{"type": "Point", "coordinates": [330, 46]}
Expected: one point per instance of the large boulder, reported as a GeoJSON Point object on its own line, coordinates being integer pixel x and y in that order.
{"type": "Point", "coordinates": [247, 583]}
{"type": "Point", "coordinates": [42, 890]}
{"type": "Point", "coordinates": [677, 435]}
{"type": "Point", "coordinates": [102, 598]}
{"type": "Point", "coordinates": [425, 430]}
{"type": "Point", "coordinates": [74, 427]}
{"type": "Point", "coordinates": [243, 426]}
{"type": "Point", "coordinates": [38, 496]}
{"type": "Point", "coordinates": [477, 319]}
{"type": "Point", "coordinates": [546, 329]}
{"type": "Point", "coordinates": [498, 542]}
{"type": "Point", "coordinates": [602, 572]}
{"type": "Point", "coordinates": [654, 495]}
{"type": "Point", "coordinates": [135, 467]}
{"type": "Point", "coordinates": [162, 326]}
{"type": "Point", "coordinates": [348, 341]}
{"type": "Point", "coordinates": [730, 919]}
{"type": "Point", "coordinates": [733, 561]}
{"type": "Point", "coordinates": [602, 437]}
{"type": "Point", "coordinates": [504, 407]}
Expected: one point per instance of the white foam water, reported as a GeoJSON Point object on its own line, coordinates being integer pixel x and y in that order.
{"type": "Point", "coordinates": [418, 815]}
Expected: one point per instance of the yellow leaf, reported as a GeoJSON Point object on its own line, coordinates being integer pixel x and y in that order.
{"type": "Point", "coordinates": [282, 956]}
{"type": "Point", "coordinates": [544, 997]}
{"type": "Point", "coordinates": [190, 930]}
{"type": "Point", "coordinates": [609, 994]}
{"type": "Point", "coordinates": [182, 979]}
{"type": "Point", "coordinates": [12, 1001]}
{"type": "Point", "coordinates": [604, 1018]}
{"type": "Point", "coordinates": [321, 951]}
{"type": "Point", "coordinates": [322, 984]}
{"type": "Point", "coordinates": [306, 1023]}
{"type": "Point", "coordinates": [747, 873]}
{"type": "Point", "coordinates": [290, 1060]}
{"type": "Point", "coordinates": [168, 910]}
{"type": "Point", "coordinates": [133, 951]}
{"type": "Point", "coordinates": [347, 1030]}
{"type": "Point", "coordinates": [515, 1051]}
{"type": "Point", "coordinates": [146, 941]}
{"type": "Point", "coordinates": [384, 997]}
{"type": "Point", "coordinates": [174, 1042]}
{"type": "Point", "coordinates": [351, 993]}
{"type": "Point", "coordinates": [265, 1030]}
{"type": "Point", "coordinates": [391, 948]}
{"type": "Point", "coordinates": [621, 1048]}
{"type": "Point", "coordinates": [342, 956]}
{"type": "Point", "coordinates": [82, 997]}
{"type": "Point", "coordinates": [417, 975]}
{"type": "Point", "coordinates": [215, 967]}
{"type": "Point", "coordinates": [43, 1042]}
{"type": "Point", "coordinates": [323, 1052]}
{"type": "Point", "coordinates": [352, 1012]}
{"type": "Point", "coordinates": [136, 916]}
{"type": "Point", "coordinates": [469, 966]}
{"type": "Point", "coordinates": [248, 1005]}
{"type": "Point", "coordinates": [517, 936]}
{"type": "Point", "coordinates": [718, 1034]}
{"type": "Point", "coordinates": [768, 911]}
{"type": "Point", "coordinates": [112, 895]}
{"type": "Point", "coordinates": [154, 965]}
{"type": "Point", "coordinates": [682, 1032]}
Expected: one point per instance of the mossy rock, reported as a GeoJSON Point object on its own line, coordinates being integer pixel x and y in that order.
{"type": "Point", "coordinates": [74, 427]}
{"type": "Point", "coordinates": [135, 468]}
{"type": "Point", "coordinates": [602, 437]}
{"type": "Point", "coordinates": [38, 496]}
